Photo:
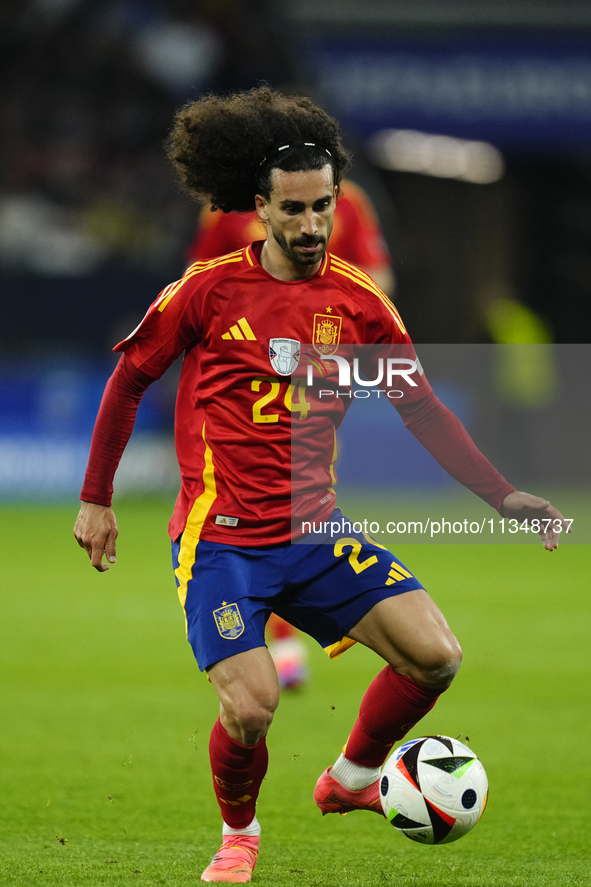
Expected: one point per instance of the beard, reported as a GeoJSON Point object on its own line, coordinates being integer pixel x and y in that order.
{"type": "Point", "coordinates": [303, 240]}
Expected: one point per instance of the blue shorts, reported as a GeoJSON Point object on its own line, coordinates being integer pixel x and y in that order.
{"type": "Point", "coordinates": [323, 588]}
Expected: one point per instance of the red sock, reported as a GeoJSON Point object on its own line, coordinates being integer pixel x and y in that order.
{"type": "Point", "coordinates": [237, 775]}
{"type": "Point", "coordinates": [391, 706]}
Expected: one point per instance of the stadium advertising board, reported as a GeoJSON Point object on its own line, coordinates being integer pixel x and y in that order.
{"type": "Point", "coordinates": [532, 92]}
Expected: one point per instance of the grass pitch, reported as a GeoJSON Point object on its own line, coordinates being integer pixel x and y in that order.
{"type": "Point", "coordinates": [105, 722]}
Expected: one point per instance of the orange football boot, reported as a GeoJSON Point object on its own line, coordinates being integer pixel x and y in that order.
{"type": "Point", "coordinates": [332, 797]}
{"type": "Point", "coordinates": [235, 860]}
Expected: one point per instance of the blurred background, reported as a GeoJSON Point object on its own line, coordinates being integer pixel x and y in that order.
{"type": "Point", "coordinates": [471, 127]}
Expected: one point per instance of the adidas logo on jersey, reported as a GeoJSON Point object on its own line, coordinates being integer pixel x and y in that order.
{"type": "Point", "coordinates": [240, 330]}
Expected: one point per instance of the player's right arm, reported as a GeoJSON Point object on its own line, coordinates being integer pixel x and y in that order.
{"type": "Point", "coordinates": [96, 526]}
{"type": "Point", "coordinates": [170, 327]}
{"type": "Point", "coordinates": [96, 531]}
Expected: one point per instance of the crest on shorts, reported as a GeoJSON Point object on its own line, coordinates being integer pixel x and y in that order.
{"type": "Point", "coordinates": [326, 333]}
{"type": "Point", "coordinates": [284, 355]}
{"type": "Point", "coordinates": [229, 621]}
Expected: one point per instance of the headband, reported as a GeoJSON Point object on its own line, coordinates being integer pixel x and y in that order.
{"type": "Point", "coordinates": [277, 151]}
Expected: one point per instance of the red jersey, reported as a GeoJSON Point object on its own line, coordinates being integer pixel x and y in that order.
{"type": "Point", "coordinates": [256, 445]}
{"type": "Point", "coordinates": [356, 235]}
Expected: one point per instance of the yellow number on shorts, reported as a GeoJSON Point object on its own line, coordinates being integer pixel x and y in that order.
{"type": "Point", "coordinates": [255, 385]}
{"type": "Point", "coordinates": [358, 566]}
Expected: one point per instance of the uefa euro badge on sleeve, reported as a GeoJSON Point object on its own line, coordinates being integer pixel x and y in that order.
{"type": "Point", "coordinates": [229, 621]}
{"type": "Point", "coordinates": [284, 355]}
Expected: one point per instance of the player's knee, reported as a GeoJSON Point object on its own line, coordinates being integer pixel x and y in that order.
{"type": "Point", "coordinates": [253, 724]}
{"type": "Point", "coordinates": [439, 668]}
{"type": "Point", "coordinates": [251, 714]}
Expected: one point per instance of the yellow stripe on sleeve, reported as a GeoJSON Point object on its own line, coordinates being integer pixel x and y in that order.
{"type": "Point", "coordinates": [205, 263]}
{"type": "Point", "coordinates": [192, 270]}
{"type": "Point", "coordinates": [347, 266]}
{"type": "Point", "coordinates": [215, 263]}
{"type": "Point", "coordinates": [166, 297]}
{"type": "Point", "coordinates": [364, 280]}
{"type": "Point", "coordinates": [356, 272]}
{"type": "Point", "coordinates": [359, 280]}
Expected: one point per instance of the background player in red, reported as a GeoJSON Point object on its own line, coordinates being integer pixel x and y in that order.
{"type": "Point", "coordinates": [356, 237]}
{"type": "Point", "coordinates": [233, 524]}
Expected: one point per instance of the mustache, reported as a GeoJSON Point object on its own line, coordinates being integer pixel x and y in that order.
{"type": "Point", "coordinates": [308, 240]}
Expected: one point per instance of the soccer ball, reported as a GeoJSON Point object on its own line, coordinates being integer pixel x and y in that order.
{"type": "Point", "coordinates": [433, 789]}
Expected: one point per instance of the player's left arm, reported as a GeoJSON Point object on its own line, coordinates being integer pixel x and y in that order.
{"type": "Point", "coordinates": [522, 507]}
{"type": "Point", "coordinates": [443, 435]}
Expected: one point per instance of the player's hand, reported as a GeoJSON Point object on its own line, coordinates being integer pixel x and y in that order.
{"type": "Point", "coordinates": [523, 506]}
{"type": "Point", "coordinates": [96, 531]}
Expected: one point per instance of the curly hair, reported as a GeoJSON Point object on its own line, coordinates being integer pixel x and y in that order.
{"type": "Point", "coordinates": [218, 143]}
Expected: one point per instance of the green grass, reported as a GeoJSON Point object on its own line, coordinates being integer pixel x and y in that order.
{"type": "Point", "coordinates": [106, 718]}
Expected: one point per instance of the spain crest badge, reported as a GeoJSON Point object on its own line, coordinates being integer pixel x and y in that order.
{"type": "Point", "coordinates": [229, 621]}
{"type": "Point", "coordinates": [326, 334]}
